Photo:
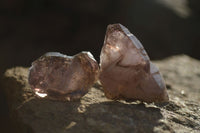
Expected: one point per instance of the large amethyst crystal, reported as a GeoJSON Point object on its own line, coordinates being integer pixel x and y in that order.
{"type": "Point", "coordinates": [126, 71]}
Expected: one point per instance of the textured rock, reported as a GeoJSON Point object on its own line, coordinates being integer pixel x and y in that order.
{"type": "Point", "coordinates": [126, 71]}
{"type": "Point", "coordinates": [62, 77]}
{"type": "Point", "coordinates": [95, 113]}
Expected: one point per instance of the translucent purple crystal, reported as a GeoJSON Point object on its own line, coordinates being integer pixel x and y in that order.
{"type": "Point", "coordinates": [126, 71]}
{"type": "Point", "coordinates": [62, 77]}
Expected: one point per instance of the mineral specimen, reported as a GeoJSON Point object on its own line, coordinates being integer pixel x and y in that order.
{"type": "Point", "coordinates": [126, 71]}
{"type": "Point", "coordinates": [62, 77]}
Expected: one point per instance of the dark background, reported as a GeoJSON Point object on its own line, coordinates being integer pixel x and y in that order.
{"type": "Point", "coordinates": [30, 28]}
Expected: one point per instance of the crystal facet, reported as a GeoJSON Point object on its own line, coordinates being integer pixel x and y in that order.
{"type": "Point", "coordinates": [126, 71]}
{"type": "Point", "coordinates": [63, 77]}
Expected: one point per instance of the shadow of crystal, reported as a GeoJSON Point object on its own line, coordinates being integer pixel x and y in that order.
{"type": "Point", "coordinates": [93, 113]}
{"type": "Point", "coordinates": [43, 115]}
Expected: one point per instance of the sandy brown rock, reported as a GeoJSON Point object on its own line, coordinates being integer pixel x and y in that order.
{"type": "Point", "coordinates": [182, 76]}
{"type": "Point", "coordinates": [95, 113]}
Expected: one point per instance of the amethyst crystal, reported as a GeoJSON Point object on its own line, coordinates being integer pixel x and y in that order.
{"type": "Point", "coordinates": [63, 77]}
{"type": "Point", "coordinates": [126, 71]}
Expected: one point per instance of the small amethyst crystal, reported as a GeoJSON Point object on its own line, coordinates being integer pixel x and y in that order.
{"type": "Point", "coordinates": [62, 77]}
{"type": "Point", "coordinates": [126, 71]}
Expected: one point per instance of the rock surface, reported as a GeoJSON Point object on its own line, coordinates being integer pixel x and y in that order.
{"type": "Point", "coordinates": [95, 113]}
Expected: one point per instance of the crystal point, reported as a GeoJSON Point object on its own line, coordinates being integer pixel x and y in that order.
{"type": "Point", "coordinates": [63, 77]}
{"type": "Point", "coordinates": [126, 71]}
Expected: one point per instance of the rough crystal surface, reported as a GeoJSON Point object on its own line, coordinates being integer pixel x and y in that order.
{"type": "Point", "coordinates": [126, 71]}
{"type": "Point", "coordinates": [63, 77]}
